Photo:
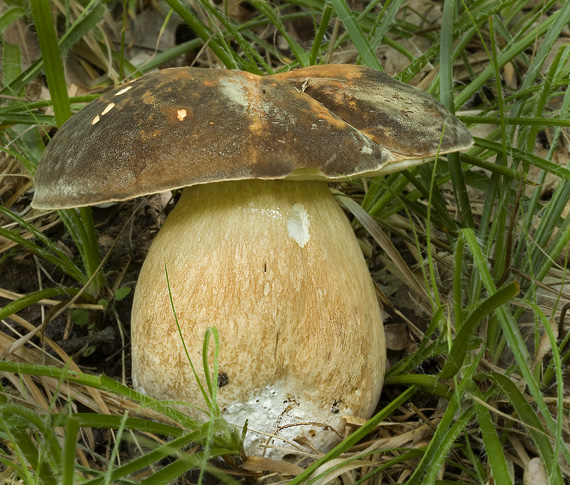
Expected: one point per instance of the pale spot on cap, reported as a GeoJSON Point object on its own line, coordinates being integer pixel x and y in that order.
{"type": "Point", "coordinates": [181, 114]}
{"type": "Point", "coordinates": [123, 91]}
{"type": "Point", "coordinates": [108, 108]}
{"type": "Point", "coordinates": [95, 120]}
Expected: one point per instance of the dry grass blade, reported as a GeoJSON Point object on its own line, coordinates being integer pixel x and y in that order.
{"type": "Point", "coordinates": [261, 464]}
{"type": "Point", "coordinates": [384, 242]}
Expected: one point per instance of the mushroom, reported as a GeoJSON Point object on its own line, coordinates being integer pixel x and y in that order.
{"type": "Point", "coordinates": [257, 245]}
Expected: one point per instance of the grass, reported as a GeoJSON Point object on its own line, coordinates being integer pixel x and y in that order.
{"type": "Point", "coordinates": [478, 239]}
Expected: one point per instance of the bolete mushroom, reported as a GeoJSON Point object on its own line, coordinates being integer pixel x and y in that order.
{"type": "Point", "coordinates": [257, 246]}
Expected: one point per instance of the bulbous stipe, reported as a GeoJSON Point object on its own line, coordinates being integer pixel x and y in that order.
{"type": "Point", "coordinates": [276, 268]}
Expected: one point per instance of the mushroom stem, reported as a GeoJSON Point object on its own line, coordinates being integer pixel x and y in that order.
{"type": "Point", "coordinates": [275, 266]}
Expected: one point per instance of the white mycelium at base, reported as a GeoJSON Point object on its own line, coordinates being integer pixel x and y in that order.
{"type": "Point", "coordinates": [275, 267]}
{"type": "Point", "coordinates": [274, 412]}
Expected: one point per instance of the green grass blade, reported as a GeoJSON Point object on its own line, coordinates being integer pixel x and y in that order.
{"type": "Point", "coordinates": [514, 339]}
{"type": "Point", "coordinates": [424, 349]}
{"type": "Point", "coordinates": [34, 297]}
{"type": "Point", "coordinates": [557, 365]}
{"type": "Point", "coordinates": [84, 24]}
{"type": "Point", "coordinates": [320, 34]}
{"type": "Point", "coordinates": [426, 382]}
{"type": "Point", "coordinates": [205, 395]}
{"type": "Point", "coordinates": [383, 23]}
{"type": "Point", "coordinates": [254, 58]}
{"type": "Point", "coordinates": [540, 122]}
{"type": "Point", "coordinates": [215, 414]}
{"type": "Point", "coordinates": [63, 262]}
{"type": "Point", "coordinates": [115, 450]}
{"type": "Point", "coordinates": [11, 62]}
{"type": "Point", "coordinates": [35, 106]}
{"type": "Point", "coordinates": [171, 448]}
{"type": "Point", "coordinates": [108, 421]}
{"type": "Point", "coordinates": [561, 194]}
{"type": "Point", "coordinates": [89, 250]}
{"type": "Point", "coordinates": [69, 450]}
{"type": "Point", "coordinates": [405, 455]}
{"type": "Point", "coordinates": [437, 204]}
{"type": "Point", "coordinates": [539, 162]}
{"type": "Point", "coordinates": [507, 55]}
{"type": "Point", "coordinates": [299, 53]}
{"type": "Point", "coordinates": [447, 430]}
{"type": "Point", "coordinates": [40, 447]}
{"type": "Point", "coordinates": [53, 66]}
{"type": "Point", "coordinates": [100, 382]}
{"type": "Point", "coordinates": [446, 97]}
{"type": "Point", "coordinates": [465, 29]}
{"type": "Point", "coordinates": [535, 427]}
{"type": "Point", "coordinates": [356, 436]}
{"type": "Point", "coordinates": [211, 383]}
{"type": "Point", "coordinates": [557, 22]}
{"type": "Point", "coordinates": [441, 452]}
{"type": "Point", "coordinates": [213, 41]}
{"type": "Point", "coordinates": [356, 34]}
{"type": "Point", "coordinates": [171, 472]}
{"type": "Point", "coordinates": [161, 58]}
{"type": "Point", "coordinates": [553, 251]}
{"type": "Point", "coordinates": [493, 447]}
{"type": "Point", "coordinates": [492, 167]}
{"type": "Point", "coordinates": [11, 436]}
{"type": "Point", "coordinates": [34, 118]}
{"type": "Point", "coordinates": [81, 226]}
{"type": "Point", "coordinates": [10, 16]}
{"type": "Point", "coordinates": [374, 230]}
{"type": "Point", "coordinates": [462, 339]}
{"type": "Point", "coordinates": [49, 250]}
{"type": "Point", "coordinates": [458, 284]}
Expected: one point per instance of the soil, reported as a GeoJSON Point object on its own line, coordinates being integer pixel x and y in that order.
{"type": "Point", "coordinates": [125, 231]}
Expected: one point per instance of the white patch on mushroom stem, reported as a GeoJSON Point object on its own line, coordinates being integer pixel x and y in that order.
{"type": "Point", "coordinates": [298, 225]}
{"type": "Point", "coordinates": [269, 212]}
{"type": "Point", "coordinates": [108, 108]}
{"type": "Point", "coordinates": [141, 390]}
{"type": "Point", "coordinates": [181, 114]}
{"type": "Point", "coordinates": [273, 410]}
{"type": "Point", "coordinates": [95, 120]}
{"type": "Point", "coordinates": [123, 91]}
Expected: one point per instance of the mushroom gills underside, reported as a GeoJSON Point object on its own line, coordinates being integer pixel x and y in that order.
{"type": "Point", "coordinates": [276, 268]}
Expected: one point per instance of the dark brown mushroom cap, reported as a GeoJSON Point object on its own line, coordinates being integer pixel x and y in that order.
{"type": "Point", "coordinates": [186, 126]}
{"type": "Point", "coordinates": [406, 121]}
